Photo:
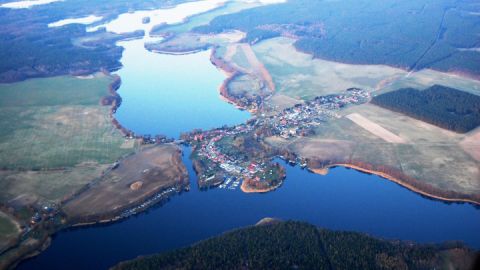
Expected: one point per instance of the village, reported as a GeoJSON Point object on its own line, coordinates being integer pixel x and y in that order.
{"type": "Point", "coordinates": [301, 119]}
{"type": "Point", "coordinates": [234, 167]}
{"type": "Point", "coordinates": [226, 166]}
{"type": "Point", "coordinates": [165, 194]}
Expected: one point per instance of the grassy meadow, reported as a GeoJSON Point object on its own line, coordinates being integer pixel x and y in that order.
{"type": "Point", "coordinates": [55, 137]}
{"type": "Point", "coordinates": [55, 123]}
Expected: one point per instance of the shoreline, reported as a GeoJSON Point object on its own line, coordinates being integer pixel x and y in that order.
{"type": "Point", "coordinates": [246, 189]}
{"type": "Point", "coordinates": [399, 181]}
{"type": "Point", "coordinates": [230, 74]}
{"type": "Point", "coordinates": [148, 199]}
{"type": "Point", "coordinates": [114, 101]}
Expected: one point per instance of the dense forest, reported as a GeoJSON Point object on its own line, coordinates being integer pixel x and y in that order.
{"type": "Point", "coordinates": [292, 245]}
{"type": "Point", "coordinates": [439, 105]}
{"type": "Point", "coordinates": [29, 48]}
{"type": "Point", "coordinates": [407, 34]}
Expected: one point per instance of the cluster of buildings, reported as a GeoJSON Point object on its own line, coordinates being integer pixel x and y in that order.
{"type": "Point", "coordinates": [233, 166]}
{"type": "Point", "coordinates": [47, 211]}
{"type": "Point", "coordinates": [300, 119]}
{"type": "Point", "coordinates": [148, 139]}
{"type": "Point", "coordinates": [230, 182]}
{"type": "Point", "coordinates": [156, 198]}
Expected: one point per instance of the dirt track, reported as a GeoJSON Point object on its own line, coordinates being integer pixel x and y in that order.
{"type": "Point", "coordinates": [375, 128]}
{"type": "Point", "coordinates": [257, 66]}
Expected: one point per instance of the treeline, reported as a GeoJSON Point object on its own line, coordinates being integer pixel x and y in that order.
{"type": "Point", "coordinates": [407, 34]}
{"type": "Point", "coordinates": [29, 48]}
{"type": "Point", "coordinates": [292, 245]}
{"type": "Point", "coordinates": [442, 106]}
{"type": "Point", "coordinates": [52, 53]}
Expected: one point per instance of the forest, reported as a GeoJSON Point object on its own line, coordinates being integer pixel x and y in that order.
{"type": "Point", "coordinates": [439, 105]}
{"type": "Point", "coordinates": [407, 34]}
{"type": "Point", "coordinates": [292, 245]}
{"type": "Point", "coordinates": [29, 48]}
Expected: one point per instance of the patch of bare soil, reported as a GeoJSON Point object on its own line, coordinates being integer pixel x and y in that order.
{"type": "Point", "coordinates": [375, 128]}
{"type": "Point", "coordinates": [257, 66]}
{"type": "Point", "coordinates": [137, 178]}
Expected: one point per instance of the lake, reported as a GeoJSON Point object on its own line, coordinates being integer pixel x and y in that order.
{"type": "Point", "coordinates": [166, 94]}
{"type": "Point", "coordinates": [169, 94]}
{"type": "Point", "coordinates": [342, 200]}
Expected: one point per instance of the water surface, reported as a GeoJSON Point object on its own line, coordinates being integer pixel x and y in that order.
{"type": "Point", "coordinates": [166, 94]}
{"type": "Point", "coordinates": [133, 21]}
{"type": "Point", "coordinates": [343, 200]}
{"type": "Point", "coordinates": [169, 94]}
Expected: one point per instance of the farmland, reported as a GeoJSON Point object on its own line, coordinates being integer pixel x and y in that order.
{"type": "Point", "coordinates": [9, 231]}
{"type": "Point", "coordinates": [298, 76]}
{"type": "Point", "coordinates": [369, 136]}
{"type": "Point", "coordinates": [137, 178]}
{"type": "Point", "coordinates": [57, 122]}
{"type": "Point", "coordinates": [428, 158]}
{"type": "Point", "coordinates": [56, 137]}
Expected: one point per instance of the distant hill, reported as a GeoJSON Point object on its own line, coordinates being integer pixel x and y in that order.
{"type": "Point", "coordinates": [292, 245]}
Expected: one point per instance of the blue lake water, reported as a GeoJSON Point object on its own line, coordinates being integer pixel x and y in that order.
{"type": "Point", "coordinates": [343, 200]}
{"type": "Point", "coordinates": [170, 94]}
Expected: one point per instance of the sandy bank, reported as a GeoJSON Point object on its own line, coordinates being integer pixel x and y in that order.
{"type": "Point", "coordinates": [248, 189]}
{"type": "Point", "coordinates": [231, 73]}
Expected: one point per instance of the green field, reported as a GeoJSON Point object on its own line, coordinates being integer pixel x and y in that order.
{"type": "Point", "coordinates": [55, 137]}
{"type": "Point", "coordinates": [8, 230]}
{"type": "Point", "coordinates": [436, 158]}
{"type": "Point", "coordinates": [29, 187]}
{"type": "Point", "coordinates": [56, 122]}
{"type": "Point", "coordinates": [63, 91]}
{"type": "Point", "coordinates": [297, 75]}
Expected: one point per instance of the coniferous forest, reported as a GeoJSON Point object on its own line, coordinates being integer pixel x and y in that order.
{"type": "Point", "coordinates": [442, 106]}
{"type": "Point", "coordinates": [292, 245]}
